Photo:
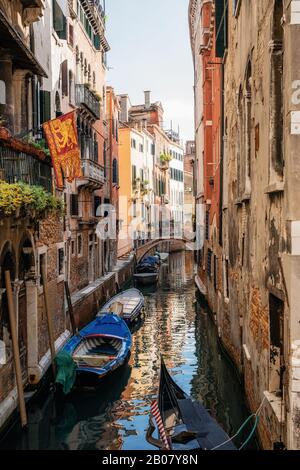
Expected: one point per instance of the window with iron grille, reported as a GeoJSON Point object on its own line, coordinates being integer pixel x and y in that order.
{"type": "Point", "coordinates": [207, 225]}
{"type": "Point", "coordinates": [209, 259]}
{"type": "Point", "coordinates": [74, 206]}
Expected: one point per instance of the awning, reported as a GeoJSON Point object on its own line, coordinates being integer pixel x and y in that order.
{"type": "Point", "coordinates": [22, 56]}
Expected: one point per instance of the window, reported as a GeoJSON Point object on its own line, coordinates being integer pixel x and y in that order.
{"type": "Point", "coordinates": [64, 78]}
{"type": "Point", "coordinates": [104, 156]}
{"type": "Point", "coordinates": [133, 143]}
{"type": "Point", "coordinates": [73, 247]}
{"type": "Point", "coordinates": [141, 148]}
{"type": "Point", "coordinates": [74, 206]}
{"type": "Point", "coordinates": [153, 149]}
{"type": "Point", "coordinates": [61, 261]}
{"type": "Point", "coordinates": [236, 7]}
{"type": "Point", "coordinates": [59, 21]}
{"type": "Point", "coordinates": [45, 106]}
{"type": "Point", "coordinates": [71, 35]}
{"type": "Point", "coordinates": [207, 225]}
{"type": "Point", "coordinates": [276, 319]}
{"type": "Point", "coordinates": [209, 260]}
{"type": "Point", "coordinates": [134, 212]}
{"type": "Point", "coordinates": [221, 15]}
{"type": "Point", "coordinates": [115, 175]}
{"type": "Point", "coordinates": [79, 245]}
{"type": "Point", "coordinates": [97, 204]}
{"type": "Point", "coordinates": [133, 173]}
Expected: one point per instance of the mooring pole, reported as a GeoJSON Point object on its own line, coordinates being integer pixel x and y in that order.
{"type": "Point", "coordinates": [49, 318]}
{"type": "Point", "coordinates": [16, 350]}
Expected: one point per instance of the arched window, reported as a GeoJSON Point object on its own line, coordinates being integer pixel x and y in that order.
{"type": "Point", "coordinates": [115, 175]}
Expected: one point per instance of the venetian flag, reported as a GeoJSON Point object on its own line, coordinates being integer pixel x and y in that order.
{"type": "Point", "coordinates": [61, 135]}
{"type": "Point", "coordinates": [158, 419]}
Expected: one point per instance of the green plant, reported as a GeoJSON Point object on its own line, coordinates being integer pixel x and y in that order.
{"type": "Point", "coordinates": [30, 198]}
{"type": "Point", "coordinates": [40, 145]}
{"type": "Point", "coordinates": [165, 157]}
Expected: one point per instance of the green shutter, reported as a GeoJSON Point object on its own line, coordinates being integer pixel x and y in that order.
{"type": "Point", "coordinates": [45, 105]}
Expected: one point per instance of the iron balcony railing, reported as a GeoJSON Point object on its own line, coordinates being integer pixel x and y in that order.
{"type": "Point", "coordinates": [93, 171]}
{"type": "Point", "coordinates": [19, 166]}
{"type": "Point", "coordinates": [86, 98]}
{"type": "Point", "coordinates": [98, 5]}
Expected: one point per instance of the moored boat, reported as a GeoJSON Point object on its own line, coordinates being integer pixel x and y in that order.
{"type": "Point", "coordinates": [146, 278]}
{"type": "Point", "coordinates": [184, 423]}
{"type": "Point", "coordinates": [131, 302]}
{"type": "Point", "coordinates": [99, 348]}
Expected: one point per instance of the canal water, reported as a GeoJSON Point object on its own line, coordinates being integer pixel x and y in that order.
{"type": "Point", "coordinates": [177, 325]}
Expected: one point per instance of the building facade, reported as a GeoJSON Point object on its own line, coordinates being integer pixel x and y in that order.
{"type": "Point", "coordinates": [31, 231]}
{"type": "Point", "coordinates": [258, 257]}
{"type": "Point", "coordinates": [189, 188]}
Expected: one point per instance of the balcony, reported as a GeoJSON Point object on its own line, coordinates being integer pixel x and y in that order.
{"type": "Point", "coordinates": [93, 175]}
{"type": "Point", "coordinates": [20, 162]}
{"type": "Point", "coordinates": [98, 5]}
{"type": "Point", "coordinates": [84, 97]}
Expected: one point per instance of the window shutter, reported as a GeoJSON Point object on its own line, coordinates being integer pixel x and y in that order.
{"type": "Point", "coordinates": [45, 106]}
{"type": "Point", "coordinates": [59, 21]}
{"type": "Point", "coordinates": [64, 77]}
{"type": "Point", "coordinates": [71, 35]}
{"type": "Point", "coordinates": [97, 42]}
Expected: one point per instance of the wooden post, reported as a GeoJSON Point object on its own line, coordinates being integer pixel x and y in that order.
{"type": "Point", "coordinates": [70, 308]}
{"type": "Point", "coordinates": [16, 351]}
{"type": "Point", "coordinates": [49, 318]}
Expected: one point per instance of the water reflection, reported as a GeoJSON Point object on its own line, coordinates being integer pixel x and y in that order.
{"type": "Point", "coordinates": [115, 415]}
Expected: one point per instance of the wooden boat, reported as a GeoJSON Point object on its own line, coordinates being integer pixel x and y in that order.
{"type": "Point", "coordinates": [128, 305]}
{"type": "Point", "coordinates": [187, 424]}
{"type": "Point", "coordinates": [146, 278]}
{"type": "Point", "coordinates": [101, 347]}
{"type": "Point", "coordinates": [147, 271]}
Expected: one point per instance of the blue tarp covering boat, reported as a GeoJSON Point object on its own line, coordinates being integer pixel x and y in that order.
{"type": "Point", "coordinates": [101, 347]}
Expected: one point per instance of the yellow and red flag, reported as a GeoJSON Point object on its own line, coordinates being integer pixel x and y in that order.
{"type": "Point", "coordinates": [61, 135]}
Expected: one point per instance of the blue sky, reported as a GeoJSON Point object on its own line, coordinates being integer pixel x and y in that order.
{"type": "Point", "coordinates": [150, 50]}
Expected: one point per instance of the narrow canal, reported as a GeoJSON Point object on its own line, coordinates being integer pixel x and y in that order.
{"type": "Point", "coordinates": [115, 416]}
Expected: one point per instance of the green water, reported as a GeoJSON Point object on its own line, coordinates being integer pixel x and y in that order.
{"type": "Point", "coordinates": [115, 415]}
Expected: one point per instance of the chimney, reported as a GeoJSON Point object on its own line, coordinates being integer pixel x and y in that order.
{"type": "Point", "coordinates": [147, 99]}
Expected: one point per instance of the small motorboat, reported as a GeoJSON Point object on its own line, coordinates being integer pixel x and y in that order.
{"type": "Point", "coordinates": [128, 305]}
{"type": "Point", "coordinates": [99, 348]}
{"type": "Point", "coordinates": [183, 423]}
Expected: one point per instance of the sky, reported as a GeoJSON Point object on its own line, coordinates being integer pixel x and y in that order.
{"type": "Point", "coordinates": [150, 50]}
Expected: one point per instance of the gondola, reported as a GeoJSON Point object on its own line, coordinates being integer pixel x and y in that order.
{"type": "Point", "coordinates": [128, 305]}
{"type": "Point", "coordinates": [98, 349]}
{"type": "Point", "coordinates": [187, 425]}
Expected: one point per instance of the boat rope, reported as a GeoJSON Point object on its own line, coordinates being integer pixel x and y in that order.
{"type": "Point", "coordinates": [254, 415]}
